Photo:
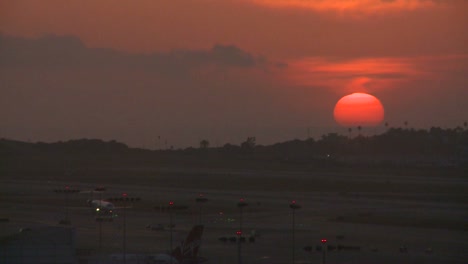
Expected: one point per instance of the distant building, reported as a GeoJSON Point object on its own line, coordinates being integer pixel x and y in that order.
{"type": "Point", "coordinates": [42, 245]}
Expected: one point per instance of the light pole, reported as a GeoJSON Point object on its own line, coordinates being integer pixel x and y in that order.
{"type": "Point", "coordinates": [293, 205]}
{"type": "Point", "coordinates": [99, 218]}
{"type": "Point", "coordinates": [124, 196]}
{"type": "Point", "coordinates": [67, 190]}
{"type": "Point", "coordinates": [124, 199]}
{"type": "Point", "coordinates": [241, 204]}
{"type": "Point", "coordinates": [201, 199]}
{"type": "Point", "coordinates": [324, 250]}
{"type": "Point", "coordinates": [171, 204]}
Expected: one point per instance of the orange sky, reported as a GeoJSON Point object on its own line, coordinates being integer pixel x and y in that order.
{"type": "Point", "coordinates": [292, 28]}
{"type": "Point", "coordinates": [304, 56]}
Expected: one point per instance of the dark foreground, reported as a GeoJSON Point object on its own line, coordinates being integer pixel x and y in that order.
{"type": "Point", "coordinates": [373, 217]}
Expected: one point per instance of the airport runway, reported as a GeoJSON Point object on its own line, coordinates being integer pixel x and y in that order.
{"type": "Point", "coordinates": [427, 215]}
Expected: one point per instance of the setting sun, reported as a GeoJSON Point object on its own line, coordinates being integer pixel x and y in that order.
{"type": "Point", "coordinates": [359, 109]}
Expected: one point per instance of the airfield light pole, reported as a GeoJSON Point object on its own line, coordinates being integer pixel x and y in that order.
{"type": "Point", "coordinates": [124, 196]}
{"type": "Point", "coordinates": [124, 199]}
{"type": "Point", "coordinates": [100, 219]}
{"type": "Point", "coordinates": [67, 190]}
{"type": "Point", "coordinates": [241, 204]}
{"type": "Point", "coordinates": [293, 205]}
{"type": "Point", "coordinates": [201, 199]}
{"type": "Point", "coordinates": [324, 250]}
{"type": "Point", "coordinates": [171, 204]}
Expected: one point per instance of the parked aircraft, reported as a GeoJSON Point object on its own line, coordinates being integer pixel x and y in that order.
{"type": "Point", "coordinates": [185, 253]}
{"type": "Point", "coordinates": [101, 206]}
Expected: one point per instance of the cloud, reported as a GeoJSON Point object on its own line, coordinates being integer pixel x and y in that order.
{"type": "Point", "coordinates": [351, 75]}
{"type": "Point", "coordinates": [68, 52]}
{"type": "Point", "coordinates": [55, 88]}
{"type": "Point", "coordinates": [377, 75]}
{"type": "Point", "coordinates": [345, 6]}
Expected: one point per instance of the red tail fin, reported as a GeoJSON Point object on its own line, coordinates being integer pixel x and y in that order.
{"type": "Point", "coordinates": [189, 248]}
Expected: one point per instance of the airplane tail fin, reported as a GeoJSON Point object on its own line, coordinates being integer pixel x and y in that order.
{"type": "Point", "coordinates": [189, 248]}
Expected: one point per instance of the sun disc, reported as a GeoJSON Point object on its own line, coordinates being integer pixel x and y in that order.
{"type": "Point", "coordinates": [359, 109]}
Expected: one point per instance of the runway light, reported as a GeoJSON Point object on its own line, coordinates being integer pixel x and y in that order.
{"type": "Point", "coordinates": [294, 205]}
{"type": "Point", "coordinates": [241, 202]}
{"type": "Point", "coordinates": [323, 241]}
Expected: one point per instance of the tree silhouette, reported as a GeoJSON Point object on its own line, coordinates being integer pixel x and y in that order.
{"type": "Point", "coordinates": [248, 145]}
{"type": "Point", "coordinates": [204, 144]}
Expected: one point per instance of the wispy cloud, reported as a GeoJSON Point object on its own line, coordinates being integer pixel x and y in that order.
{"type": "Point", "coordinates": [367, 74]}
{"type": "Point", "coordinates": [361, 6]}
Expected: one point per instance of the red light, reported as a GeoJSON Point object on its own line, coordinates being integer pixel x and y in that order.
{"type": "Point", "coordinates": [124, 194]}
{"type": "Point", "coordinates": [171, 203]}
{"type": "Point", "coordinates": [67, 187]}
{"type": "Point", "coordinates": [239, 233]}
{"type": "Point", "coordinates": [293, 202]}
{"type": "Point", "coordinates": [324, 241]}
{"type": "Point", "coordinates": [242, 200]}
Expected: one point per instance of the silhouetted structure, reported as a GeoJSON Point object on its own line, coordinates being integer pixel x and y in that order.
{"type": "Point", "coordinates": [46, 244]}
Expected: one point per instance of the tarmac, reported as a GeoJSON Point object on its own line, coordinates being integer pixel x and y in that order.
{"type": "Point", "coordinates": [368, 218]}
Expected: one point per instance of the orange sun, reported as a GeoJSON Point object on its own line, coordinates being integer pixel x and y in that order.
{"type": "Point", "coordinates": [358, 109]}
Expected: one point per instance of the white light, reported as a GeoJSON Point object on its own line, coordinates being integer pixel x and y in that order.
{"type": "Point", "coordinates": [97, 209]}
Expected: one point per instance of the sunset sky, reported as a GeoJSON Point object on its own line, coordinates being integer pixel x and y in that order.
{"type": "Point", "coordinates": [146, 72]}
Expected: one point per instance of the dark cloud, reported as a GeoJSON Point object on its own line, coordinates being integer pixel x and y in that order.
{"type": "Point", "coordinates": [69, 52]}
{"type": "Point", "coordinates": [57, 88]}
{"type": "Point", "coordinates": [48, 51]}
